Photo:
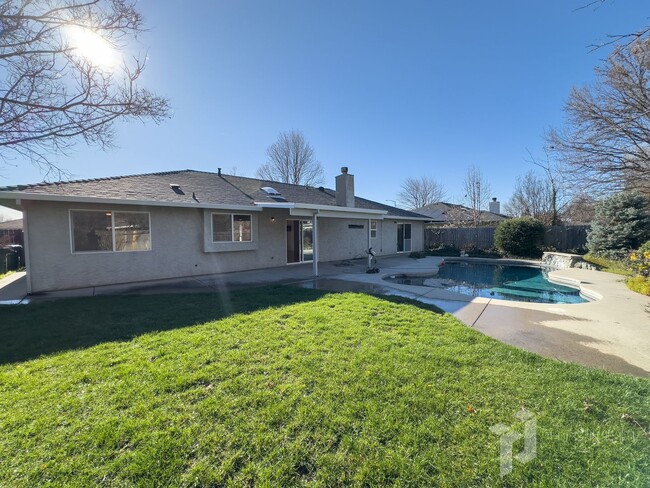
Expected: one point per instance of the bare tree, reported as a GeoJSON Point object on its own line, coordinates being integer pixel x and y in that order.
{"type": "Point", "coordinates": [606, 142]}
{"type": "Point", "coordinates": [581, 209]}
{"type": "Point", "coordinates": [531, 198]}
{"type": "Point", "coordinates": [419, 192]}
{"type": "Point", "coordinates": [477, 193]}
{"type": "Point", "coordinates": [290, 159]}
{"type": "Point", "coordinates": [62, 77]}
{"type": "Point", "coordinates": [622, 39]}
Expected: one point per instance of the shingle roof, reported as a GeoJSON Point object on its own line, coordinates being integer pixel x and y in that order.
{"type": "Point", "coordinates": [12, 224]}
{"type": "Point", "coordinates": [451, 212]}
{"type": "Point", "coordinates": [207, 188]}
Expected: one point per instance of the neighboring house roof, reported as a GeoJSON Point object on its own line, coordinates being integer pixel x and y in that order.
{"type": "Point", "coordinates": [443, 212]}
{"type": "Point", "coordinates": [195, 188]}
{"type": "Point", "coordinates": [12, 225]}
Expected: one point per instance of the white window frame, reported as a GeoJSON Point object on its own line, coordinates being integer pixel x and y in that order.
{"type": "Point", "coordinates": [232, 227]}
{"type": "Point", "coordinates": [373, 229]}
{"type": "Point", "coordinates": [112, 212]}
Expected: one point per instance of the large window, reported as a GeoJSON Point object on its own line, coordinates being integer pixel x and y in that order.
{"type": "Point", "coordinates": [231, 228]}
{"type": "Point", "coordinates": [108, 231]}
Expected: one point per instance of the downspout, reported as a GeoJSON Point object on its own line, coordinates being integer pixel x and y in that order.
{"type": "Point", "coordinates": [315, 243]}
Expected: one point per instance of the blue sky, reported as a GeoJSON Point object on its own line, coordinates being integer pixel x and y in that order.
{"type": "Point", "coordinates": [390, 89]}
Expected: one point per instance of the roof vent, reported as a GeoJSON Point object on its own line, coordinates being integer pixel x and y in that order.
{"type": "Point", "coordinates": [176, 188]}
{"type": "Point", "coordinates": [270, 190]}
{"type": "Point", "coordinates": [321, 188]}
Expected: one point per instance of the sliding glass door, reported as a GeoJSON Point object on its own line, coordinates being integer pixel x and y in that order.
{"type": "Point", "coordinates": [300, 245]}
{"type": "Point", "coordinates": [403, 237]}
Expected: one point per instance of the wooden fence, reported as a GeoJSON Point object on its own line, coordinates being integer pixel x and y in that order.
{"type": "Point", "coordinates": [562, 238]}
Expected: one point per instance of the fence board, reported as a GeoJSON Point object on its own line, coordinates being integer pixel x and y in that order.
{"type": "Point", "coordinates": [562, 238]}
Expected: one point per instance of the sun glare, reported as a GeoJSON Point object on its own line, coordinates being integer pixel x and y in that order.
{"type": "Point", "coordinates": [92, 47]}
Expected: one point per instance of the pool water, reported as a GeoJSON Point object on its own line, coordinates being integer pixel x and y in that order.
{"type": "Point", "coordinates": [520, 283]}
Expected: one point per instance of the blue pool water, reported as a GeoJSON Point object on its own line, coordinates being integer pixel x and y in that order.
{"type": "Point", "coordinates": [519, 283]}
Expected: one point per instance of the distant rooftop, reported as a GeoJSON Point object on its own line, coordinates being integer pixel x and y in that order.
{"type": "Point", "coordinates": [12, 224]}
{"type": "Point", "coordinates": [444, 212]}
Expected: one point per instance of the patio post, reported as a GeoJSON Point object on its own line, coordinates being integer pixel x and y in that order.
{"type": "Point", "coordinates": [369, 243]}
{"type": "Point", "coordinates": [314, 243]}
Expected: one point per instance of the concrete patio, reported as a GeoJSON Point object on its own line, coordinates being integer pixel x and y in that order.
{"type": "Point", "coordinates": [611, 332]}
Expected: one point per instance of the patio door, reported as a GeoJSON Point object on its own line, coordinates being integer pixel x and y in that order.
{"type": "Point", "coordinates": [403, 237]}
{"type": "Point", "coordinates": [300, 246]}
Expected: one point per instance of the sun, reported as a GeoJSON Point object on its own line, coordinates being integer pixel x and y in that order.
{"type": "Point", "coordinates": [91, 46]}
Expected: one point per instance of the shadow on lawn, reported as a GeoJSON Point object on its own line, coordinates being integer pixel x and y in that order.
{"type": "Point", "coordinates": [29, 331]}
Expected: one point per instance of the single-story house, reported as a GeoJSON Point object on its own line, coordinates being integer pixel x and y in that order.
{"type": "Point", "coordinates": [453, 214]}
{"type": "Point", "coordinates": [11, 232]}
{"type": "Point", "coordinates": [187, 223]}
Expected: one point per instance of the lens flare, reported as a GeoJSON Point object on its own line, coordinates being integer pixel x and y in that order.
{"type": "Point", "coordinates": [91, 46]}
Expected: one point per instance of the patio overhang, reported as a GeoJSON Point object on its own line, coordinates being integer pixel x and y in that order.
{"type": "Point", "coordinates": [329, 211]}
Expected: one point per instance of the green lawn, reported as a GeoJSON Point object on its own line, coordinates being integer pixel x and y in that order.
{"type": "Point", "coordinates": [609, 265]}
{"type": "Point", "coordinates": [284, 386]}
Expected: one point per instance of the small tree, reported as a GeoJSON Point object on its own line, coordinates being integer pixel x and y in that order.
{"type": "Point", "coordinates": [621, 223]}
{"type": "Point", "coordinates": [477, 193]}
{"type": "Point", "coordinates": [419, 192]}
{"type": "Point", "coordinates": [290, 159]}
{"type": "Point", "coordinates": [520, 237]}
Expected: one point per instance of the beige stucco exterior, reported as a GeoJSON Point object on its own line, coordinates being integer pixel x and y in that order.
{"type": "Point", "coordinates": [181, 245]}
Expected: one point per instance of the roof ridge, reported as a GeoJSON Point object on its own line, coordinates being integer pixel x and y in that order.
{"type": "Point", "coordinates": [102, 178]}
{"type": "Point", "coordinates": [270, 181]}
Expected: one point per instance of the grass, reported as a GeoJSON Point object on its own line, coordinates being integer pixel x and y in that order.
{"type": "Point", "coordinates": [609, 265]}
{"type": "Point", "coordinates": [286, 387]}
{"type": "Point", "coordinates": [8, 273]}
{"type": "Point", "coordinates": [639, 284]}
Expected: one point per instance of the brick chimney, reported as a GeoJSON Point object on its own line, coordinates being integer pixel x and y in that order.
{"type": "Point", "coordinates": [345, 188]}
{"type": "Point", "coordinates": [495, 206]}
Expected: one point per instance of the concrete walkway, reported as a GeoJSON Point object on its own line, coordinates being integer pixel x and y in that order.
{"type": "Point", "coordinates": [611, 332]}
{"type": "Point", "coordinates": [13, 288]}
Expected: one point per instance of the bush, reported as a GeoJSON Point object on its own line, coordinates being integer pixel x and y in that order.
{"type": "Point", "coordinates": [639, 284]}
{"type": "Point", "coordinates": [639, 260]}
{"type": "Point", "coordinates": [622, 223]}
{"type": "Point", "coordinates": [520, 237]}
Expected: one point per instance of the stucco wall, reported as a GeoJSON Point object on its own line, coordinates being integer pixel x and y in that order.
{"type": "Point", "coordinates": [387, 237]}
{"type": "Point", "coordinates": [178, 247]}
{"type": "Point", "coordinates": [337, 241]}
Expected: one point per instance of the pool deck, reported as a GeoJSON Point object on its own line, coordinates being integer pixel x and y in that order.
{"type": "Point", "coordinates": [611, 332]}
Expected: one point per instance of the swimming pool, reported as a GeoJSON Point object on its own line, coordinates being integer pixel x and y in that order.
{"type": "Point", "coordinates": [505, 282]}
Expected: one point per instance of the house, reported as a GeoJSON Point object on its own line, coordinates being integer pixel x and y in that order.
{"type": "Point", "coordinates": [452, 214]}
{"type": "Point", "coordinates": [11, 232]}
{"type": "Point", "coordinates": [188, 223]}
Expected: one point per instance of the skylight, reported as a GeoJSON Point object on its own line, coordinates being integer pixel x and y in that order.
{"type": "Point", "coordinates": [270, 190]}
